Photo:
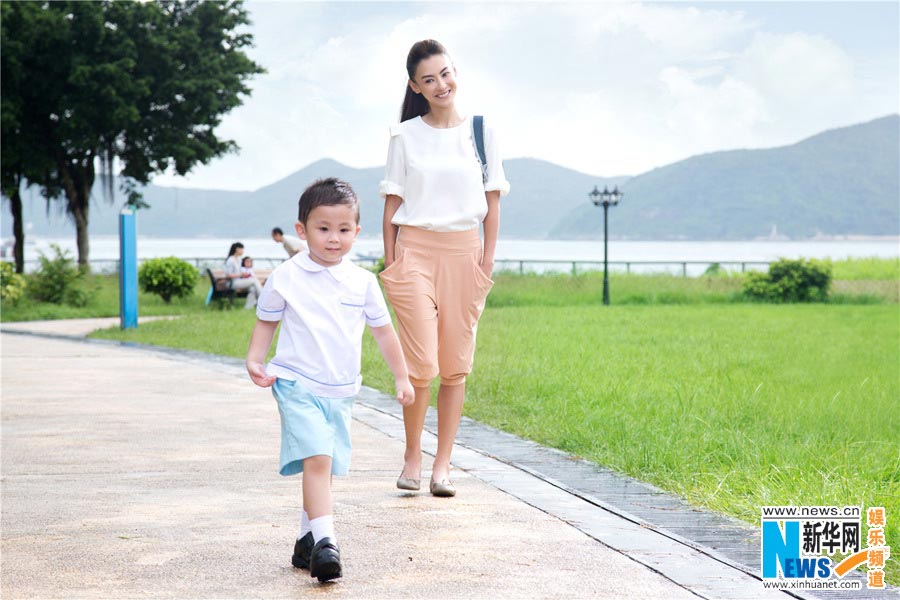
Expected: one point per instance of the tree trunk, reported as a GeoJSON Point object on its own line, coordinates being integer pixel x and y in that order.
{"type": "Point", "coordinates": [15, 202]}
{"type": "Point", "coordinates": [79, 212]}
{"type": "Point", "coordinates": [78, 179]}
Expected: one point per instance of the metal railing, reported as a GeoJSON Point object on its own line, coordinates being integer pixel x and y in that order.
{"type": "Point", "coordinates": [111, 265]}
{"type": "Point", "coordinates": [685, 268]}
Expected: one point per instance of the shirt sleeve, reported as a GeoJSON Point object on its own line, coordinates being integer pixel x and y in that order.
{"type": "Point", "coordinates": [231, 266]}
{"type": "Point", "coordinates": [395, 169]}
{"type": "Point", "coordinates": [293, 245]}
{"type": "Point", "coordinates": [496, 178]}
{"type": "Point", "coordinates": [376, 309]}
{"type": "Point", "coordinates": [271, 305]}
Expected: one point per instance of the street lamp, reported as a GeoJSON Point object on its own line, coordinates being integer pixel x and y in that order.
{"type": "Point", "coordinates": [605, 199]}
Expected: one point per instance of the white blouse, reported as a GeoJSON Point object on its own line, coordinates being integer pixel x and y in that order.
{"type": "Point", "coordinates": [437, 174]}
{"type": "Point", "coordinates": [232, 265]}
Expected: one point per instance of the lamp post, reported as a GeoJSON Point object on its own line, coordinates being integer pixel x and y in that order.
{"type": "Point", "coordinates": [605, 199]}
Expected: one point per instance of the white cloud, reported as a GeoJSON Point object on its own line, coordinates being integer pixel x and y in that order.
{"type": "Point", "coordinates": [796, 67]}
{"type": "Point", "coordinates": [679, 31]}
{"type": "Point", "coordinates": [709, 112]}
{"type": "Point", "coordinates": [803, 80]}
{"type": "Point", "coordinates": [606, 88]}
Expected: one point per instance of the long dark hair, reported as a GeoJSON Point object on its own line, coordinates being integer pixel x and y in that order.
{"type": "Point", "coordinates": [415, 105]}
{"type": "Point", "coordinates": [234, 247]}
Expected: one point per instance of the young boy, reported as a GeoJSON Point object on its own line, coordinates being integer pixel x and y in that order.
{"type": "Point", "coordinates": [324, 301]}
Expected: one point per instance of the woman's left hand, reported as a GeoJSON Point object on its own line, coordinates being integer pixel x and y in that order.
{"type": "Point", "coordinates": [487, 266]}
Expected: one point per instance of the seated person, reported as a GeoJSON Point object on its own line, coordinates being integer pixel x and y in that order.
{"type": "Point", "coordinates": [247, 267]}
{"type": "Point", "coordinates": [239, 279]}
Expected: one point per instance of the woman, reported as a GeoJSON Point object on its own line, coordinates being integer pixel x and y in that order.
{"type": "Point", "coordinates": [437, 273]}
{"type": "Point", "coordinates": [239, 279]}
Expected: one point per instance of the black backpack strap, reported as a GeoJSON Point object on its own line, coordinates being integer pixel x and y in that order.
{"type": "Point", "coordinates": [478, 139]}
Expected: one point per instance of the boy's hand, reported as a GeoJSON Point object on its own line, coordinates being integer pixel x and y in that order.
{"type": "Point", "coordinates": [257, 373]}
{"type": "Point", "coordinates": [405, 393]}
{"type": "Point", "coordinates": [389, 345]}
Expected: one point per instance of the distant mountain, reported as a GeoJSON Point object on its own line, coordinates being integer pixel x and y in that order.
{"type": "Point", "coordinates": [184, 212]}
{"type": "Point", "coordinates": [541, 192]}
{"type": "Point", "coordinates": [843, 181]}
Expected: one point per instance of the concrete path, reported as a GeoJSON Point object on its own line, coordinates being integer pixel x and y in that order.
{"type": "Point", "coordinates": [133, 473]}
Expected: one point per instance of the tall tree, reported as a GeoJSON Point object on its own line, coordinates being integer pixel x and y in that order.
{"type": "Point", "coordinates": [11, 148]}
{"type": "Point", "coordinates": [22, 159]}
{"type": "Point", "coordinates": [140, 84]}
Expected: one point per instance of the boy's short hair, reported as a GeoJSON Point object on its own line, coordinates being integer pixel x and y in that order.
{"type": "Point", "coordinates": [327, 192]}
{"type": "Point", "coordinates": [277, 231]}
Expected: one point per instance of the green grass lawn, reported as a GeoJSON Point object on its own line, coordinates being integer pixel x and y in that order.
{"type": "Point", "coordinates": [871, 268]}
{"type": "Point", "coordinates": [587, 289]}
{"type": "Point", "coordinates": [104, 303]}
{"type": "Point", "coordinates": [731, 405]}
{"type": "Point", "coordinates": [857, 281]}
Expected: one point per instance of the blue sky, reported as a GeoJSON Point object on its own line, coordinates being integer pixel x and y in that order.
{"type": "Point", "coordinates": [605, 88]}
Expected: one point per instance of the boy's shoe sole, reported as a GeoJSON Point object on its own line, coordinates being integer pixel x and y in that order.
{"type": "Point", "coordinates": [302, 551]}
{"type": "Point", "coordinates": [325, 560]}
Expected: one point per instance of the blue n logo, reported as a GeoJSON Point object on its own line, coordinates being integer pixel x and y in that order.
{"type": "Point", "coordinates": [778, 548]}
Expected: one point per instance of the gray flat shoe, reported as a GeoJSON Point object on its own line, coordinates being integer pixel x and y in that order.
{"type": "Point", "coordinates": [408, 483]}
{"type": "Point", "coordinates": [442, 489]}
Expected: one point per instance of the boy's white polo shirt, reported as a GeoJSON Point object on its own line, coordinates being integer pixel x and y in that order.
{"type": "Point", "coordinates": [323, 313]}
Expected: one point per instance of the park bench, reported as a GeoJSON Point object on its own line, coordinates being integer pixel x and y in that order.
{"type": "Point", "coordinates": [220, 286]}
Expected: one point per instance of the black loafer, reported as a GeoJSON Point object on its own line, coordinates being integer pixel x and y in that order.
{"type": "Point", "coordinates": [325, 560]}
{"type": "Point", "coordinates": [302, 550]}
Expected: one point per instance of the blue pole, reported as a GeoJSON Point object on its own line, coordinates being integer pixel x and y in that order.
{"type": "Point", "coordinates": [128, 281]}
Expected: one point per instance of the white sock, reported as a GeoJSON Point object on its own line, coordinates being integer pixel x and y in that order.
{"type": "Point", "coordinates": [304, 525]}
{"type": "Point", "coordinates": [322, 527]}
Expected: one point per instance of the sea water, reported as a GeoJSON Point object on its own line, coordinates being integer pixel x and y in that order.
{"type": "Point", "coordinates": [104, 251]}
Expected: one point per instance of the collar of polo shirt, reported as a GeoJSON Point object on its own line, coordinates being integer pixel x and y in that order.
{"type": "Point", "coordinates": [338, 271]}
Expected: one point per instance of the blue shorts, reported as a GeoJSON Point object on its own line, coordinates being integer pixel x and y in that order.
{"type": "Point", "coordinates": [312, 426]}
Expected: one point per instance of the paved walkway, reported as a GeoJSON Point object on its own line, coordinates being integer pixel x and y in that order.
{"type": "Point", "coordinates": [128, 472]}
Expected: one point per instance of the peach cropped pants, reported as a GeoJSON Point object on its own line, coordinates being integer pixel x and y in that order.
{"type": "Point", "coordinates": [438, 290]}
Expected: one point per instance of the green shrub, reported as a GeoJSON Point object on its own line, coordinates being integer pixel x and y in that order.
{"type": "Point", "coordinates": [168, 277]}
{"type": "Point", "coordinates": [59, 281]}
{"type": "Point", "coordinates": [790, 280]}
{"type": "Point", "coordinates": [12, 285]}
{"type": "Point", "coordinates": [714, 269]}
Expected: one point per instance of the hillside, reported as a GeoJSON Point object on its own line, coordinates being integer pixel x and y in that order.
{"type": "Point", "coordinates": [842, 181]}
{"type": "Point", "coordinates": [541, 192]}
